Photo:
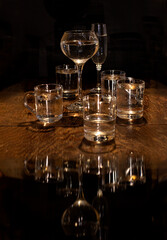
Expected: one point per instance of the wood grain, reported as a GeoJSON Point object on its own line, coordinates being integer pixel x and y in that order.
{"type": "Point", "coordinates": [20, 141]}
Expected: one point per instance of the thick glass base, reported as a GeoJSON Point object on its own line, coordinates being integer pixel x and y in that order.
{"type": "Point", "coordinates": [93, 147]}
{"type": "Point", "coordinates": [96, 90]}
{"type": "Point", "coordinates": [99, 139]}
{"type": "Point", "coordinates": [129, 115]}
{"type": "Point", "coordinates": [139, 121]}
{"type": "Point", "coordinates": [76, 106]}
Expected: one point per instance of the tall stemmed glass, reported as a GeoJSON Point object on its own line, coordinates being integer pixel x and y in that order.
{"type": "Point", "coordinates": [81, 219]}
{"type": "Point", "coordinates": [99, 58]}
{"type": "Point", "coordinates": [79, 46]}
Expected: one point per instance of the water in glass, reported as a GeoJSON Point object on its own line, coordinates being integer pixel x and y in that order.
{"type": "Point", "coordinates": [48, 107]}
{"type": "Point", "coordinates": [130, 99]}
{"type": "Point", "coordinates": [99, 127]}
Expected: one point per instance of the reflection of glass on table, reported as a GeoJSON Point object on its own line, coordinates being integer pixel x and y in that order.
{"type": "Point", "coordinates": [135, 172]}
{"type": "Point", "coordinates": [80, 219]}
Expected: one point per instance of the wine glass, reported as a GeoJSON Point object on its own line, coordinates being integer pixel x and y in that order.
{"type": "Point", "coordinates": [100, 56]}
{"type": "Point", "coordinates": [81, 219]}
{"type": "Point", "coordinates": [79, 46]}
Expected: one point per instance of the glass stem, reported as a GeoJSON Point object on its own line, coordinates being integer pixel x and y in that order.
{"type": "Point", "coordinates": [80, 68]}
{"type": "Point", "coordinates": [80, 189]}
{"type": "Point", "coordinates": [98, 68]}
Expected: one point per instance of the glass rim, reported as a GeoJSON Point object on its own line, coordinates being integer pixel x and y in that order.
{"type": "Point", "coordinates": [98, 23]}
{"type": "Point", "coordinates": [131, 80]}
{"type": "Point", "coordinates": [45, 87]}
{"type": "Point", "coordinates": [79, 31]}
{"type": "Point", "coordinates": [99, 28]}
{"type": "Point", "coordinates": [113, 71]}
{"type": "Point", "coordinates": [93, 95]}
{"type": "Point", "coordinates": [66, 66]}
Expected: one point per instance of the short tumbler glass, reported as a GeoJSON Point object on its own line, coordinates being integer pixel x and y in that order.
{"type": "Point", "coordinates": [99, 114]}
{"type": "Point", "coordinates": [67, 76]}
{"type": "Point", "coordinates": [109, 80]}
{"type": "Point", "coordinates": [130, 98]}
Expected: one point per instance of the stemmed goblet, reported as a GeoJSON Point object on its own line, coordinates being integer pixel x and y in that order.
{"type": "Point", "coordinates": [99, 58]}
{"type": "Point", "coordinates": [81, 219]}
{"type": "Point", "coordinates": [79, 46]}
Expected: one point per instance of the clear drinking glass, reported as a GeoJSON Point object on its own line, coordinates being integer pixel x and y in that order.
{"type": "Point", "coordinates": [130, 99]}
{"type": "Point", "coordinates": [109, 80]}
{"type": "Point", "coordinates": [99, 58]}
{"type": "Point", "coordinates": [67, 76]}
{"type": "Point", "coordinates": [99, 114]}
{"type": "Point", "coordinates": [48, 102]}
{"type": "Point", "coordinates": [79, 46]}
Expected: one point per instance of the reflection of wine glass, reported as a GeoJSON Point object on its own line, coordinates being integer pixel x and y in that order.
{"type": "Point", "coordinates": [100, 203]}
{"type": "Point", "coordinates": [79, 46]}
{"type": "Point", "coordinates": [100, 56]}
{"type": "Point", "coordinates": [93, 166]}
{"type": "Point", "coordinates": [80, 219]}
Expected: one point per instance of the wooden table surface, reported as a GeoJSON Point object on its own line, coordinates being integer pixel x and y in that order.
{"type": "Point", "coordinates": [19, 141]}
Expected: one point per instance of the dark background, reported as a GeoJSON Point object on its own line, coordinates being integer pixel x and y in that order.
{"type": "Point", "coordinates": [30, 33]}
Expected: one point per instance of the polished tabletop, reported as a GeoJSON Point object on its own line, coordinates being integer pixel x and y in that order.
{"type": "Point", "coordinates": [31, 207]}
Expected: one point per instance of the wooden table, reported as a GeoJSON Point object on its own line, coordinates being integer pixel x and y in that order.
{"type": "Point", "coordinates": [18, 142]}
{"type": "Point", "coordinates": [26, 207]}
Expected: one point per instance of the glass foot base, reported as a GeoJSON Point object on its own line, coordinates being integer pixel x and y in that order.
{"type": "Point", "coordinates": [75, 107]}
{"type": "Point", "coordinates": [95, 90]}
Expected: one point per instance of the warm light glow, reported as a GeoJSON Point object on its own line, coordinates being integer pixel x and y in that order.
{"type": "Point", "coordinates": [79, 202]}
{"type": "Point", "coordinates": [132, 86]}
